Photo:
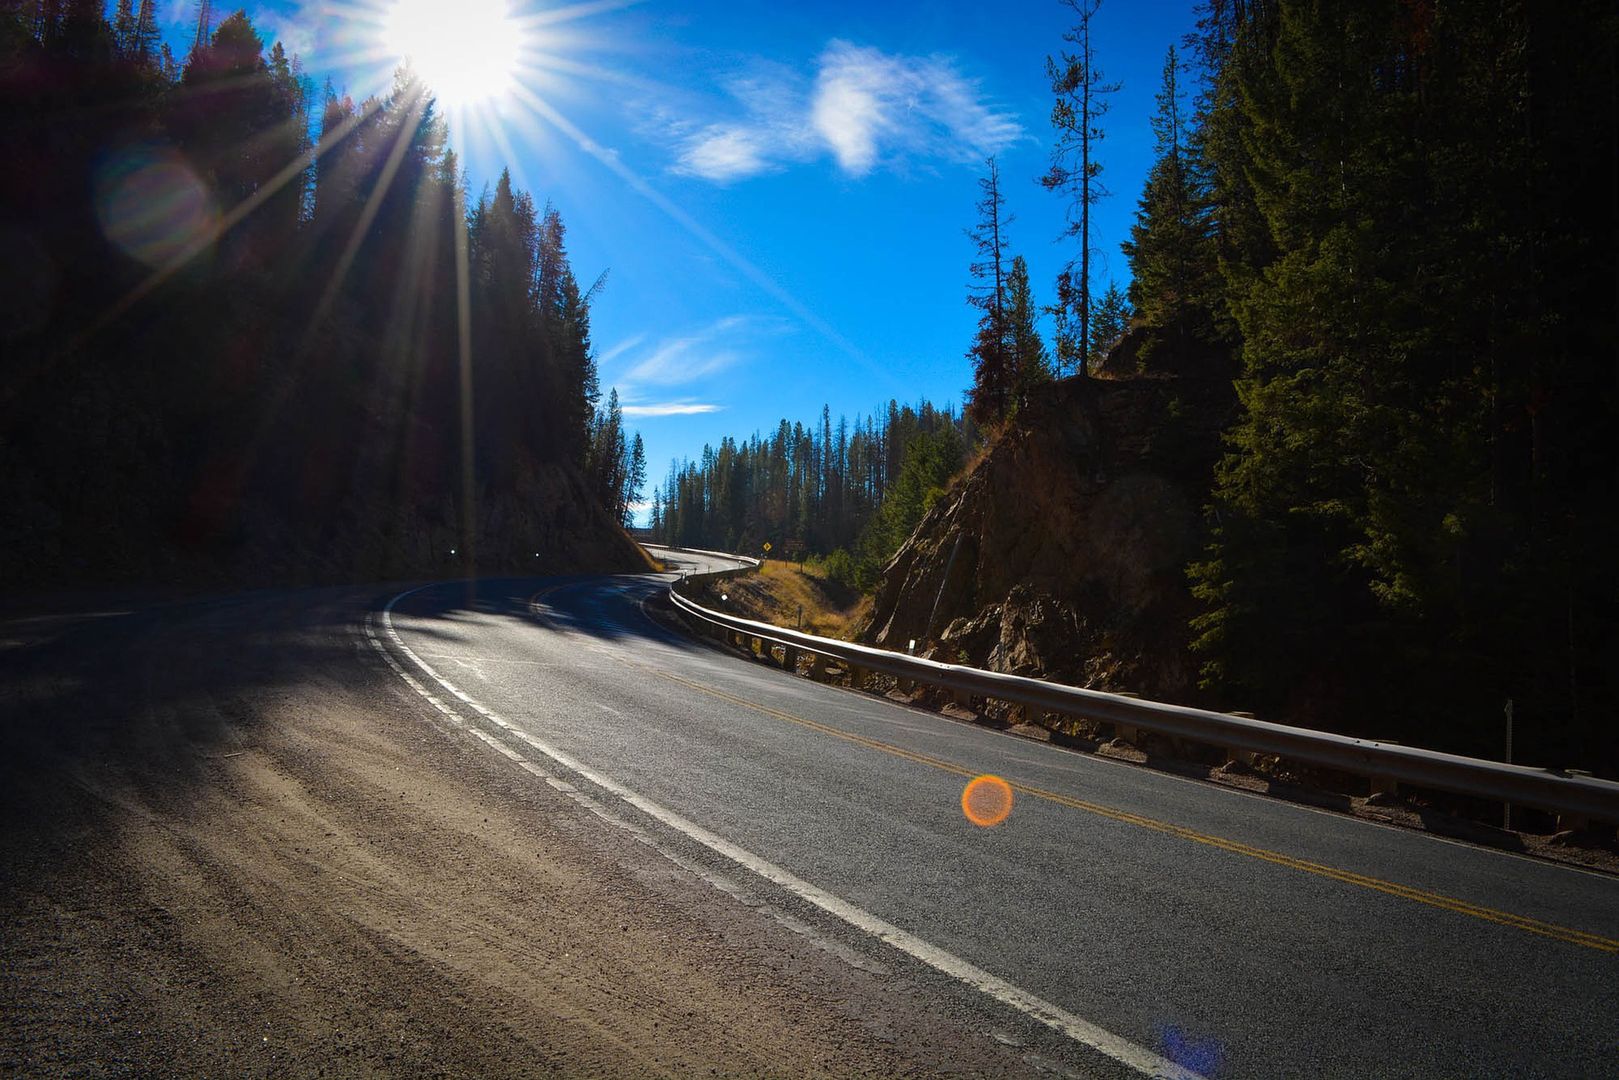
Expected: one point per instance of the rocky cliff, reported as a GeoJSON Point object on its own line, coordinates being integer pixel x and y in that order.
{"type": "Point", "coordinates": [1062, 551]}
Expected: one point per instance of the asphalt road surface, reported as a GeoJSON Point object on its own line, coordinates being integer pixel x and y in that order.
{"type": "Point", "coordinates": [1123, 921]}
{"type": "Point", "coordinates": [523, 828]}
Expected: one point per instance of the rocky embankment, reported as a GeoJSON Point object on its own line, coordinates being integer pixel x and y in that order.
{"type": "Point", "coordinates": [1062, 552]}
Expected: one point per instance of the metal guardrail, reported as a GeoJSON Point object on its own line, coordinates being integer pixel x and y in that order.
{"type": "Point", "coordinates": [748, 563]}
{"type": "Point", "coordinates": [710, 575]}
{"type": "Point", "coordinates": [1577, 797]}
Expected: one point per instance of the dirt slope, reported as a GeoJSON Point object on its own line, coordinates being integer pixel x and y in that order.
{"type": "Point", "coordinates": [1062, 551]}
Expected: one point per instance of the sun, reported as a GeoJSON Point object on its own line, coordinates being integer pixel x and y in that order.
{"type": "Point", "coordinates": [467, 53]}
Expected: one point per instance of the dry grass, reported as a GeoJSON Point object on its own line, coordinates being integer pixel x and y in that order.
{"type": "Point", "coordinates": [791, 595]}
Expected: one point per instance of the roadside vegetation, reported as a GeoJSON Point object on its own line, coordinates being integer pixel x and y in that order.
{"type": "Point", "coordinates": [806, 596]}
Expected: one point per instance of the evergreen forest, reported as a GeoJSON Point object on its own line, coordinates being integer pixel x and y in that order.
{"type": "Point", "coordinates": [851, 493]}
{"type": "Point", "coordinates": [241, 312]}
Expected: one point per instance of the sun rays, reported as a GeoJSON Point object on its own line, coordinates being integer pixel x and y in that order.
{"type": "Point", "coordinates": [467, 56]}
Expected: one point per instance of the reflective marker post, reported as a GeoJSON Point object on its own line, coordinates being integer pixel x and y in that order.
{"type": "Point", "coordinates": [1506, 808]}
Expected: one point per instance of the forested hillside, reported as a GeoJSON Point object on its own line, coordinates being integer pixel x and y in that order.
{"type": "Point", "coordinates": [1391, 228]}
{"type": "Point", "coordinates": [1414, 210]}
{"type": "Point", "coordinates": [256, 330]}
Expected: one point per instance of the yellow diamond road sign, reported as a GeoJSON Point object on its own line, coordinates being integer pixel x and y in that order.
{"type": "Point", "coordinates": [767, 545]}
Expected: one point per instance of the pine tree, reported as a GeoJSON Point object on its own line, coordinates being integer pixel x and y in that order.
{"type": "Point", "coordinates": [1075, 171]}
{"type": "Point", "coordinates": [566, 314]}
{"type": "Point", "coordinates": [995, 373]}
{"type": "Point", "coordinates": [144, 44]}
{"type": "Point", "coordinates": [634, 479]}
{"type": "Point", "coordinates": [609, 459]}
{"type": "Point", "coordinates": [1110, 318]}
{"type": "Point", "coordinates": [123, 28]}
{"type": "Point", "coordinates": [205, 26]}
{"type": "Point", "coordinates": [1174, 286]}
{"type": "Point", "coordinates": [1028, 351]}
{"type": "Point", "coordinates": [1064, 334]}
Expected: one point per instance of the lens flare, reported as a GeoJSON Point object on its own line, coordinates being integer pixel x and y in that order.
{"type": "Point", "coordinates": [151, 205]}
{"type": "Point", "coordinates": [987, 801]}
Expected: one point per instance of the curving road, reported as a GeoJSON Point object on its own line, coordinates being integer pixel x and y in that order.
{"type": "Point", "coordinates": [1119, 922]}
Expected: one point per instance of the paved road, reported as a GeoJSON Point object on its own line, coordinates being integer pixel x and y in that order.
{"type": "Point", "coordinates": [1173, 922]}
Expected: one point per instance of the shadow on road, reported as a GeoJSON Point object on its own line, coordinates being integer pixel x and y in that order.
{"type": "Point", "coordinates": [603, 608]}
{"type": "Point", "coordinates": [140, 702]}
{"type": "Point", "coordinates": [107, 712]}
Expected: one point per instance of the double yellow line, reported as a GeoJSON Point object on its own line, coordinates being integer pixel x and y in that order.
{"type": "Point", "coordinates": [1420, 896]}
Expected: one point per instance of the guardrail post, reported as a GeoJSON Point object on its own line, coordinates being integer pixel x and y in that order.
{"type": "Point", "coordinates": [857, 676]}
{"type": "Point", "coordinates": [1244, 758]}
{"type": "Point", "coordinates": [1573, 822]}
{"type": "Point", "coordinates": [818, 668]}
{"type": "Point", "coordinates": [789, 658]}
{"type": "Point", "coordinates": [1386, 789]}
{"type": "Point", "coordinates": [1130, 733]}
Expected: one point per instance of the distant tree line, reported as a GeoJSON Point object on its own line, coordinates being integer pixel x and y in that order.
{"type": "Point", "coordinates": [253, 324]}
{"type": "Point", "coordinates": [850, 492]}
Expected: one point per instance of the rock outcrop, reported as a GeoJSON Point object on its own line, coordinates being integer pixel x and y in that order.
{"type": "Point", "coordinates": [1062, 552]}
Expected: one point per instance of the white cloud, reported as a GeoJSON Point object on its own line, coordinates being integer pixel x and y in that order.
{"type": "Point", "coordinates": [685, 359]}
{"type": "Point", "coordinates": [724, 152]}
{"type": "Point", "coordinates": [671, 408]}
{"type": "Point", "coordinates": [854, 98]}
{"type": "Point", "coordinates": [619, 350]}
{"type": "Point", "coordinates": [656, 367]}
{"type": "Point", "coordinates": [864, 107]}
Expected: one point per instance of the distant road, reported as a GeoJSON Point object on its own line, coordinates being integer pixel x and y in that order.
{"type": "Point", "coordinates": [1125, 920]}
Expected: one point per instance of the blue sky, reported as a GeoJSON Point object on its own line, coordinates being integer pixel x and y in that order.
{"type": "Point", "coordinates": [778, 191]}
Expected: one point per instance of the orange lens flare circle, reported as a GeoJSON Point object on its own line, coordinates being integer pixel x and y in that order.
{"type": "Point", "coordinates": [986, 800]}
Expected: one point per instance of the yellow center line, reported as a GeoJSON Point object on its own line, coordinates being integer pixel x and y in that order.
{"type": "Point", "coordinates": [1348, 877]}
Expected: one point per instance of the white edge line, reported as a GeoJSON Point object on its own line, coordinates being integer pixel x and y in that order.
{"type": "Point", "coordinates": [1076, 1028]}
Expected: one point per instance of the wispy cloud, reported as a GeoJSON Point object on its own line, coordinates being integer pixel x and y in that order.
{"type": "Point", "coordinates": [864, 107]}
{"type": "Point", "coordinates": [661, 376]}
{"type": "Point", "coordinates": [671, 408]}
{"type": "Point", "coordinates": [688, 358]}
{"type": "Point", "coordinates": [619, 350]}
{"type": "Point", "coordinates": [725, 152]}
